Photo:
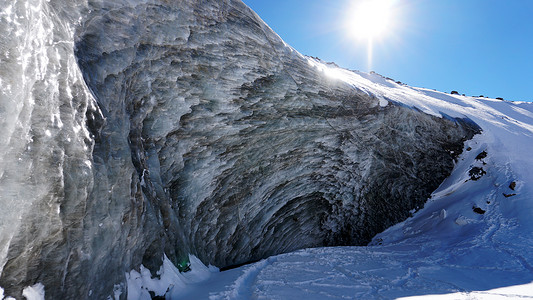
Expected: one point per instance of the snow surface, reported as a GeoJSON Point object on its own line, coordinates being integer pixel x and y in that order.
{"type": "Point", "coordinates": [170, 282]}
{"type": "Point", "coordinates": [444, 251]}
{"type": "Point", "coordinates": [34, 292]}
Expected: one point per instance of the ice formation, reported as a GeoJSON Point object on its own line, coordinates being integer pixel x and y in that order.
{"type": "Point", "coordinates": [135, 130]}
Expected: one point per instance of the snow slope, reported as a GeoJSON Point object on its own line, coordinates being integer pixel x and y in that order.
{"type": "Point", "coordinates": [472, 240]}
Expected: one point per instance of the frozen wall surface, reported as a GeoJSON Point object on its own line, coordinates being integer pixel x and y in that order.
{"type": "Point", "coordinates": [134, 129]}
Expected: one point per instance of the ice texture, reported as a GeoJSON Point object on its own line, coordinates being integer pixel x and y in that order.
{"type": "Point", "coordinates": [245, 148]}
{"type": "Point", "coordinates": [45, 148]}
{"type": "Point", "coordinates": [135, 130]}
{"type": "Point", "coordinates": [445, 248]}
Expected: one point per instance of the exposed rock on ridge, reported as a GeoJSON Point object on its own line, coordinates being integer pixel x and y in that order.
{"type": "Point", "coordinates": [210, 136]}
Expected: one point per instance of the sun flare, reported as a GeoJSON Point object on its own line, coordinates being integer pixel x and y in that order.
{"type": "Point", "coordinates": [369, 19]}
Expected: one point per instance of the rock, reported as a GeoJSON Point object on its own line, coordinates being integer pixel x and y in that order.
{"type": "Point", "coordinates": [512, 185]}
{"type": "Point", "coordinates": [478, 210]}
{"type": "Point", "coordinates": [476, 173]}
{"type": "Point", "coordinates": [481, 155]}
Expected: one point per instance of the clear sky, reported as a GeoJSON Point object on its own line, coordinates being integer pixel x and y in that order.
{"type": "Point", "coordinates": [477, 47]}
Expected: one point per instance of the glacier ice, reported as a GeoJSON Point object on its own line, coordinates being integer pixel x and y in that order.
{"type": "Point", "coordinates": [139, 129]}
{"type": "Point", "coordinates": [44, 145]}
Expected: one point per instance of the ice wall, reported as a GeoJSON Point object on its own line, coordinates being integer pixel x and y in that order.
{"type": "Point", "coordinates": [45, 148]}
{"type": "Point", "coordinates": [248, 148]}
{"type": "Point", "coordinates": [194, 129]}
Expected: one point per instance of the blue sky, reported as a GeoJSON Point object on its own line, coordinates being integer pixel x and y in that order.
{"type": "Point", "coordinates": [477, 47]}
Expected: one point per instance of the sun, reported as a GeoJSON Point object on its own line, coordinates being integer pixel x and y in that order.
{"type": "Point", "coordinates": [369, 19]}
{"type": "Point", "coordinates": [370, 22]}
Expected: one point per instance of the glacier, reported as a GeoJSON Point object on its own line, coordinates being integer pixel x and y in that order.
{"type": "Point", "coordinates": [144, 138]}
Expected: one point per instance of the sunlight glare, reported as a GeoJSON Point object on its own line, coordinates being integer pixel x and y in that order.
{"type": "Point", "coordinates": [369, 19]}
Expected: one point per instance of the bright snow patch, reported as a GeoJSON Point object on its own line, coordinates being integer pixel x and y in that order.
{"type": "Point", "coordinates": [34, 292]}
{"type": "Point", "coordinates": [524, 291]}
{"type": "Point", "coordinates": [171, 283]}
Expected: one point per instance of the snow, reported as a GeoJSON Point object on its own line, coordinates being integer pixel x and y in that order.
{"type": "Point", "coordinates": [34, 292]}
{"type": "Point", "coordinates": [444, 251]}
{"type": "Point", "coordinates": [170, 282]}
{"type": "Point", "coordinates": [514, 292]}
